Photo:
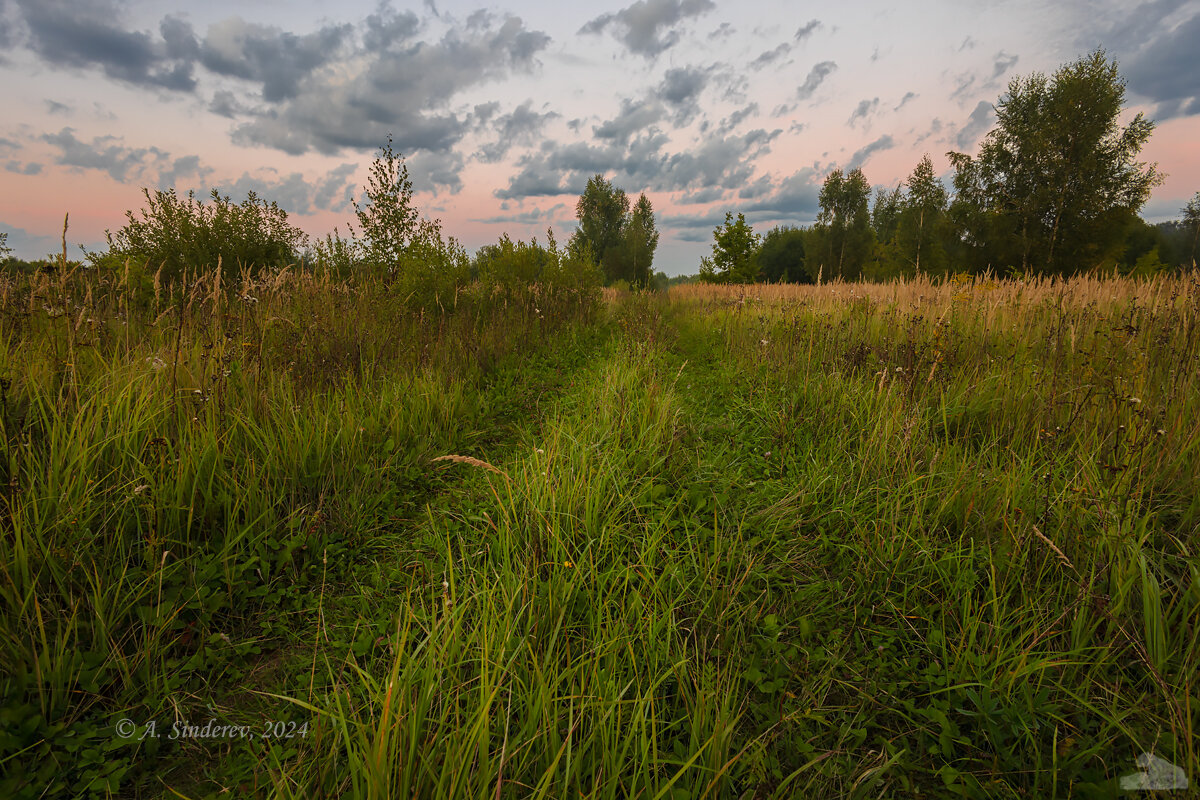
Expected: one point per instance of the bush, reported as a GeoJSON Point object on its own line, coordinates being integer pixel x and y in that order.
{"type": "Point", "coordinates": [177, 234]}
{"type": "Point", "coordinates": [543, 277]}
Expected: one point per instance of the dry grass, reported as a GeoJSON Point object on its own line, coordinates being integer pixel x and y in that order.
{"type": "Point", "coordinates": [984, 291]}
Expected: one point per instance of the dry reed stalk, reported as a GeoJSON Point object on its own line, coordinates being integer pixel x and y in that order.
{"type": "Point", "coordinates": [474, 462]}
{"type": "Point", "coordinates": [1061, 555]}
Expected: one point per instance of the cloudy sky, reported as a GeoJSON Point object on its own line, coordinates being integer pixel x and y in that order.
{"type": "Point", "coordinates": [504, 111]}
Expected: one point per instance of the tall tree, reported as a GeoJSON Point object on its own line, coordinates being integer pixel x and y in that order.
{"type": "Point", "coordinates": [1057, 180]}
{"type": "Point", "coordinates": [922, 220]}
{"type": "Point", "coordinates": [601, 211]}
{"type": "Point", "coordinates": [844, 224]}
{"type": "Point", "coordinates": [885, 214]}
{"type": "Point", "coordinates": [781, 256]}
{"type": "Point", "coordinates": [639, 241]}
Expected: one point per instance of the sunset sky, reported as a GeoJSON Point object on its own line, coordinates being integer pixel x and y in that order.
{"type": "Point", "coordinates": [504, 111]}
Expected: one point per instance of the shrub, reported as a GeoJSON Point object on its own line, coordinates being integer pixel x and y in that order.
{"type": "Point", "coordinates": [177, 234]}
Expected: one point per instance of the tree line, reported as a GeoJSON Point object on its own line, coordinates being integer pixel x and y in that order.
{"type": "Point", "coordinates": [1055, 189]}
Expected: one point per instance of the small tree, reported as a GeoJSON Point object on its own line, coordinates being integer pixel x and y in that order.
{"type": "Point", "coordinates": [735, 247]}
{"type": "Point", "coordinates": [387, 219]}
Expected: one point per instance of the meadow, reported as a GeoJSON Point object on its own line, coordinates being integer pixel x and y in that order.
{"type": "Point", "coordinates": [931, 538]}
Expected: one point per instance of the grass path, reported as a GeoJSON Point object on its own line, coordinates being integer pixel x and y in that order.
{"type": "Point", "coordinates": [696, 574]}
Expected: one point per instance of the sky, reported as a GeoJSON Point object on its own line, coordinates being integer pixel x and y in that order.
{"type": "Point", "coordinates": [503, 112]}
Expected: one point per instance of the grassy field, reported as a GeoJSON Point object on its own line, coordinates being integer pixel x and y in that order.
{"type": "Point", "coordinates": [905, 540]}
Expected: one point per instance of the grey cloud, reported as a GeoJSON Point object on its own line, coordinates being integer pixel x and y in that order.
{"type": "Point", "coordinates": [935, 127]}
{"type": "Point", "coordinates": [693, 227]}
{"type": "Point", "coordinates": [726, 162]}
{"type": "Point", "coordinates": [29, 168]}
{"type": "Point", "coordinates": [761, 187]}
{"type": "Point", "coordinates": [904, 100]}
{"type": "Point", "coordinates": [861, 155]}
{"type": "Point", "coordinates": [269, 56]}
{"type": "Point", "coordinates": [86, 34]}
{"type": "Point", "coordinates": [721, 162]}
{"type": "Point", "coordinates": [680, 89]}
{"type": "Point", "coordinates": [333, 191]}
{"type": "Point", "coordinates": [677, 96]}
{"type": "Point", "coordinates": [966, 83]}
{"type": "Point", "coordinates": [483, 112]}
{"type": "Point", "coordinates": [816, 76]}
{"type": "Point", "coordinates": [1003, 63]}
{"type": "Point", "coordinates": [31, 245]}
{"type": "Point", "coordinates": [224, 104]}
{"type": "Point", "coordinates": [967, 44]}
{"type": "Point", "coordinates": [1165, 70]}
{"type": "Point", "coordinates": [634, 116]}
{"type": "Point", "coordinates": [795, 197]}
{"type": "Point", "coordinates": [185, 165]}
{"type": "Point", "coordinates": [519, 127]}
{"type": "Point", "coordinates": [702, 196]}
{"type": "Point", "coordinates": [387, 28]}
{"type": "Point", "coordinates": [55, 107]}
{"type": "Point", "coordinates": [862, 111]}
{"type": "Point", "coordinates": [681, 86]}
{"type": "Point", "coordinates": [648, 27]}
{"type": "Point", "coordinates": [807, 30]}
{"type": "Point", "coordinates": [103, 153]}
{"type": "Point", "coordinates": [292, 192]}
{"type": "Point", "coordinates": [978, 123]}
{"type": "Point", "coordinates": [436, 169]}
{"type": "Point", "coordinates": [531, 217]}
{"type": "Point", "coordinates": [1142, 25]}
{"type": "Point", "coordinates": [771, 56]}
{"type": "Point", "coordinates": [724, 31]}
{"type": "Point", "coordinates": [398, 92]}
{"type": "Point", "coordinates": [738, 117]}
{"type": "Point", "coordinates": [536, 179]}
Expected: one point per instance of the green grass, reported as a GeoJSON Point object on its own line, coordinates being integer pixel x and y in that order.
{"type": "Point", "coordinates": [933, 541]}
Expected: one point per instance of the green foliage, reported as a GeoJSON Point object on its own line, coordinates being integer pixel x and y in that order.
{"type": "Point", "coordinates": [546, 279]}
{"type": "Point", "coordinates": [734, 253]}
{"type": "Point", "coordinates": [388, 220]}
{"type": "Point", "coordinates": [620, 239]}
{"type": "Point", "coordinates": [1191, 224]}
{"type": "Point", "coordinates": [176, 234]}
{"type": "Point", "coordinates": [843, 239]}
{"type": "Point", "coordinates": [885, 214]}
{"type": "Point", "coordinates": [335, 255]}
{"type": "Point", "coordinates": [4, 248]}
{"type": "Point", "coordinates": [781, 256]}
{"type": "Point", "coordinates": [1057, 178]}
{"type": "Point", "coordinates": [633, 256]}
{"type": "Point", "coordinates": [922, 226]}
{"type": "Point", "coordinates": [601, 211]}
